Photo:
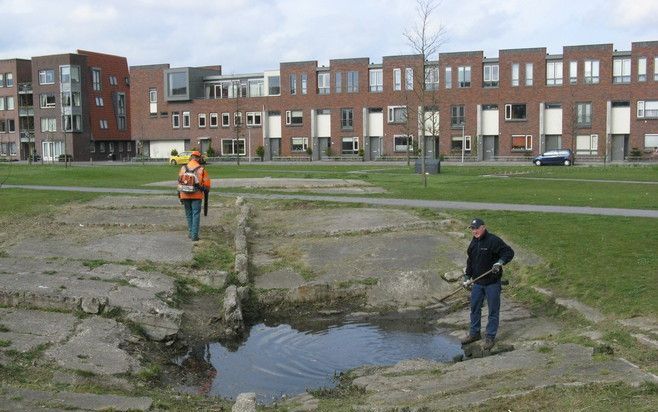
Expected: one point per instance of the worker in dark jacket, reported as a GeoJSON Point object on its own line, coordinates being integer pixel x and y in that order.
{"type": "Point", "coordinates": [485, 252]}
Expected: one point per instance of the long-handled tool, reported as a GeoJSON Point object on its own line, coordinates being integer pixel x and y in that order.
{"type": "Point", "coordinates": [468, 283]}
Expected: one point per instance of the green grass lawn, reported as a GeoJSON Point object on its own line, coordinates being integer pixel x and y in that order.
{"type": "Point", "coordinates": [608, 262]}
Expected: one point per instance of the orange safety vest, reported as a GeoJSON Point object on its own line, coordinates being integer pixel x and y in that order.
{"type": "Point", "coordinates": [202, 175]}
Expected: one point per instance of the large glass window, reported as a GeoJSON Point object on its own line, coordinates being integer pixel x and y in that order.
{"type": "Point", "coordinates": [294, 117]}
{"type": "Point", "coordinates": [409, 78]}
{"type": "Point", "coordinates": [293, 83]}
{"type": "Point", "coordinates": [647, 109]}
{"type": "Point", "coordinates": [521, 143]}
{"type": "Point", "coordinates": [642, 69]}
{"type": "Point", "coordinates": [304, 81]}
{"type": "Point", "coordinates": [233, 147]}
{"type": "Point", "coordinates": [591, 71]}
{"type": "Point", "coordinates": [299, 144]}
{"type": "Point", "coordinates": [621, 70]}
{"type": "Point", "coordinates": [274, 85]}
{"type": "Point", "coordinates": [573, 72]}
{"type": "Point", "coordinates": [352, 82]}
{"type": "Point", "coordinates": [457, 116]}
{"type": "Point", "coordinates": [376, 80]}
{"type": "Point", "coordinates": [324, 85]}
{"type": "Point", "coordinates": [48, 124]}
{"type": "Point", "coordinates": [253, 119]}
{"type": "Point", "coordinates": [403, 143]}
{"type": "Point", "coordinates": [515, 74]}
{"type": "Point", "coordinates": [397, 79]}
{"type": "Point", "coordinates": [584, 114]}
{"type": "Point", "coordinates": [587, 144]}
{"type": "Point", "coordinates": [9, 79]}
{"type": "Point", "coordinates": [339, 82]}
{"type": "Point", "coordinates": [47, 76]}
{"type": "Point", "coordinates": [96, 79]}
{"type": "Point", "coordinates": [177, 83]}
{"type": "Point", "coordinates": [397, 114]}
{"type": "Point", "coordinates": [47, 100]}
{"type": "Point", "coordinates": [554, 73]}
{"type": "Point", "coordinates": [448, 77]}
{"type": "Point", "coordinates": [256, 87]}
{"type": "Point", "coordinates": [491, 75]}
{"type": "Point", "coordinates": [529, 74]}
{"type": "Point", "coordinates": [464, 76]}
{"type": "Point", "coordinates": [346, 119]}
{"type": "Point", "coordinates": [515, 111]}
{"type": "Point", "coordinates": [350, 145]}
{"type": "Point", "coordinates": [432, 78]}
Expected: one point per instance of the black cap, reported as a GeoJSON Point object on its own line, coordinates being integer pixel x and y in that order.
{"type": "Point", "coordinates": [476, 223]}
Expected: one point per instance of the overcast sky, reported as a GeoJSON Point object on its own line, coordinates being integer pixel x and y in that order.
{"type": "Point", "coordinates": [247, 36]}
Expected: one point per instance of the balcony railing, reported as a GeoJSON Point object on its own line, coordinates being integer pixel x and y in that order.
{"type": "Point", "coordinates": [24, 88]}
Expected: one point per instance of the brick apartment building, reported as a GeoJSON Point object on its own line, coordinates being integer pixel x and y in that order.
{"type": "Point", "coordinates": [600, 102]}
{"type": "Point", "coordinates": [67, 103]}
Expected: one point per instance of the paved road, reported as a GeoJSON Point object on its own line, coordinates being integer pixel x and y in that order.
{"type": "Point", "coordinates": [431, 204]}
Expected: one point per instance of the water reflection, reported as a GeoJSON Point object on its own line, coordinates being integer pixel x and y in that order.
{"type": "Point", "coordinates": [281, 360]}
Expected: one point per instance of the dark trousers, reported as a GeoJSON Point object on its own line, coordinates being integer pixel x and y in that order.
{"type": "Point", "coordinates": [492, 294]}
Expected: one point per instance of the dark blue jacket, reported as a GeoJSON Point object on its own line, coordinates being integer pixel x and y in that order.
{"type": "Point", "coordinates": [483, 253]}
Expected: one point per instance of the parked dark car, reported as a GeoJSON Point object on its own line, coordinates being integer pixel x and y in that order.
{"type": "Point", "coordinates": [554, 157]}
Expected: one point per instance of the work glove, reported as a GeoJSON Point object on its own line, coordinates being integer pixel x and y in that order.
{"type": "Point", "coordinates": [467, 283]}
{"type": "Point", "coordinates": [497, 268]}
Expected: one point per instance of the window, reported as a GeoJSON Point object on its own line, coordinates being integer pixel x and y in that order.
{"type": "Point", "coordinates": [10, 102]}
{"type": "Point", "coordinates": [554, 73]}
{"type": "Point", "coordinates": [69, 74]}
{"type": "Point", "coordinates": [3, 127]}
{"type": "Point", "coordinates": [352, 82]}
{"type": "Point", "coordinates": [153, 101]}
{"type": "Point", "coordinates": [233, 147]}
{"type": "Point", "coordinates": [103, 124]}
{"type": "Point", "coordinates": [464, 76]}
{"type": "Point", "coordinates": [591, 71]}
{"type": "Point", "coordinates": [323, 83]}
{"type": "Point", "coordinates": [11, 125]}
{"type": "Point", "coordinates": [491, 75]}
{"type": "Point", "coordinates": [573, 72]}
{"type": "Point", "coordinates": [409, 78]}
{"type": "Point", "coordinates": [256, 87]}
{"type": "Point", "coordinates": [515, 74]}
{"type": "Point", "coordinates": [101, 147]}
{"type": "Point", "coordinates": [457, 141]}
{"type": "Point", "coordinates": [274, 85]}
{"type": "Point", "coordinates": [2, 103]}
{"type": "Point", "coordinates": [339, 82]}
{"type": "Point", "coordinates": [47, 100]}
{"type": "Point", "coordinates": [226, 120]}
{"type": "Point", "coordinates": [349, 145]}
{"type": "Point", "coordinates": [293, 84]}
{"type": "Point", "coordinates": [529, 74]}
{"type": "Point", "coordinates": [346, 119]}
{"type": "Point", "coordinates": [515, 112]}
{"type": "Point", "coordinates": [202, 120]}
{"type": "Point", "coordinates": [175, 120]}
{"type": "Point", "coordinates": [47, 76]}
{"type": "Point", "coordinates": [299, 144]}
{"type": "Point", "coordinates": [113, 80]}
{"type": "Point", "coordinates": [2, 80]}
{"type": "Point", "coordinates": [642, 69]}
{"type": "Point", "coordinates": [48, 124]}
{"type": "Point", "coordinates": [621, 70]}
{"type": "Point", "coordinates": [553, 106]}
{"type": "Point", "coordinates": [294, 117]}
{"type": "Point", "coordinates": [253, 119]}
{"type": "Point", "coordinates": [403, 143]}
{"type": "Point", "coordinates": [96, 79]}
{"type": "Point", "coordinates": [457, 116]}
{"type": "Point", "coordinates": [304, 80]}
{"type": "Point", "coordinates": [376, 80]}
{"type": "Point", "coordinates": [651, 142]}
{"type": "Point", "coordinates": [655, 69]}
{"type": "Point", "coordinates": [448, 77]}
{"type": "Point", "coordinates": [397, 114]}
{"type": "Point", "coordinates": [9, 79]}
{"type": "Point", "coordinates": [237, 119]}
{"type": "Point", "coordinates": [584, 114]}
{"type": "Point", "coordinates": [397, 79]}
{"type": "Point", "coordinates": [186, 119]}
{"type": "Point", "coordinates": [177, 83]}
{"type": "Point", "coordinates": [71, 99]}
{"type": "Point", "coordinates": [587, 144]}
{"type": "Point", "coordinates": [432, 78]}
{"type": "Point", "coordinates": [99, 101]}
{"type": "Point", "coordinates": [214, 120]}
{"type": "Point", "coordinates": [647, 109]}
{"type": "Point", "coordinates": [72, 123]}
{"type": "Point", "coordinates": [521, 143]}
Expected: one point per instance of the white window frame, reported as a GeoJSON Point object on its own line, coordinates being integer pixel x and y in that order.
{"type": "Point", "coordinates": [9, 80]}
{"type": "Point", "coordinates": [376, 78]}
{"type": "Point", "coordinates": [103, 124]}
{"type": "Point", "coordinates": [294, 114]}
{"type": "Point", "coordinates": [10, 103]}
{"type": "Point", "coordinates": [515, 74]}
{"type": "Point", "coordinates": [392, 110]}
{"type": "Point", "coordinates": [592, 71]}
{"type": "Point", "coordinates": [573, 72]}
{"type": "Point", "coordinates": [47, 76]}
{"type": "Point", "coordinates": [355, 145]}
{"type": "Point", "coordinates": [621, 70]}
{"type": "Point", "coordinates": [409, 146]}
{"type": "Point", "coordinates": [651, 141]}
{"type": "Point", "coordinates": [491, 75]}
{"type": "Point", "coordinates": [464, 77]}
{"type": "Point", "coordinates": [647, 109]}
{"type": "Point", "coordinates": [226, 119]}
{"type": "Point", "coordinates": [292, 79]}
{"type": "Point", "coordinates": [214, 120]}
{"type": "Point", "coordinates": [509, 111]}
{"type": "Point", "coordinates": [465, 140]}
{"type": "Point", "coordinates": [201, 119]}
{"type": "Point", "coordinates": [175, 120]}
{"type": "Point", "coordinates": [642, 69]}
{"type": "Point", "coordinates": [99, 101]}
{"type": "Point", "coordinates": [324, 83]}
{"type": "Point", "coordinates": [587, 144]}
{"type": "Point", "coordinates": [254, 119]}
{"type": "Point", "coordinates": [304, 81]}
{"type": "Point", "coordinates": [432, 78]}
{"type": "Point", "coordinates": [447, 79]}
{"type": "Point", "coordinates": [397, 79]}
{"type": "Point", "coordinates": [655, 69]}
{"type": "Point", "coordinates": [583, 114]}
{"type": "Point", "coordinates": [528, 143]}
{"type": "Point", "coordinates": [186, 120]}
{"type": "Point", "coordinates": [237, 119]}
{"type": "Point", "coordinates": [554, 73]}
{"type": "Point", "coordinates": [48, 124]}
{"type": "Point", "coordinates": [529, 74]}
{"type": "Point", "coordinates": [233, 147]}
{"type": "Point", "coordinates": [298, 144]}
{"type": "Point", "coordinates": [153, 101]}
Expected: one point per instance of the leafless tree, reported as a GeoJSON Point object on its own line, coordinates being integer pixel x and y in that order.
{"type": "Point", "coordinates": [425, 39]}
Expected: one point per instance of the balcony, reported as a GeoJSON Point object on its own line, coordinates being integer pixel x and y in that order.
{"type": "Point", "coordinates": [25, 88]}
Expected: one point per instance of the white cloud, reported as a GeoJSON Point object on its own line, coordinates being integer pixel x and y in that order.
{"type": "Point", "coordinates": [635, 12]}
